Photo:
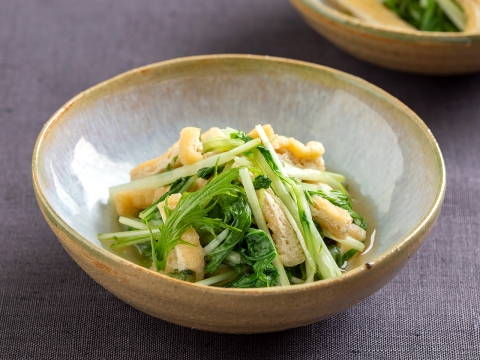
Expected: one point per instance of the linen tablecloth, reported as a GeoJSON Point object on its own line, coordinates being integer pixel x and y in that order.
{"type": "Point", "coordinates": [50, 309]}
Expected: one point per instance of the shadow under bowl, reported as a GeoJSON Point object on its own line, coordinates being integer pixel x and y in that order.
{"type": "Point", "coordinates": [391, 160]}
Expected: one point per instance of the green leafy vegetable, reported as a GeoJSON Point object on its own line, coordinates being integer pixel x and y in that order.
{"type": "Point", "coordinates": [336, 254]}
{"type": "Point", "coordinates": [206, 173]}
{"type": "Point", "coordinates": [238, 215]}
{"type": "Point", "coordinates": [269, 277]}
{"type": "Point", "coordinates": [240, 135]}
{"type": "Point", "coordinates": [145, 249]}
{"type": "Point", "coordinates": [349, 254]}
{"type": "Point", "coordinates": [429, 15]}
{"type": "Point", "coordinates": [337, 198]}
{"type": "Point", "coordinates": [238, 249]}
{"type": "Point", "coordinates": [259, 248]}
{"type": "Point", "coordinates": [191, 212]}
{"type": "Point", "coordinates": [294, 272]}
{"type": "Point", "coordinates": [268, 157]}
{"type": "Point", "coordinates": [185, 275]}
{"type": "Point", "coordinates": [261, 182]}
{"type": "Point", "coordinates": [259, 254]}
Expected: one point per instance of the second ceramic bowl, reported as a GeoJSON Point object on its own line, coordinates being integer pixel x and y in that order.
{"type": "Point", "coordinates": [412, 51]}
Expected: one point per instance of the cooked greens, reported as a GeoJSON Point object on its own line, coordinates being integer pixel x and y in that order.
{"type": "Point", "coordinates": [240, 217]}
{"type": "Point", "coordinates": [206, 173]}
{"type": "Point", "coordinates": [259, 253]}
{"type": "Point", "coordinates": [261, 182]}
{"type": "Point", "coordinates": [191, 212]}
{"type": "Point", "coordinates": [429, 15]}
{"type": "Point", "coordinates": [185, 275]}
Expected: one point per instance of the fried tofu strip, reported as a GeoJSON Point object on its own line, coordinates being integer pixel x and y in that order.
{"type": "Point", "coordinates": [336, 220]}
{"type": "Point", "coordinates": [286, 241]}
{"type": "Point", "coordinates": [356, 232]}
{"type": "Point", "coordinates": [157, 165]}
{"type": "Point", "coordinates": [294, 152]}
{"type": "Point", "coordinates": [184, 257]}
{"type": "Point", "coordinates": [268, 131]}
{"type": "Point", "coordinates": [187, 150]}
{"type": "Point", "coordinates": [131, 202]}
{"type": "Point", "coordinates": [187, 257]}
{"type": "Point", "coordinates": [190, 146]}
{"type": "Point", "coordinates": [211, 133]}
{"type": "Point", "coordinates": [307, 156]}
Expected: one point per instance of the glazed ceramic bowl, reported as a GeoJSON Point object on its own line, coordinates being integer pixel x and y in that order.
{"type": "Point", "coordinates": [394, 166]}
{"type": "Point", "coordinates": [422, 52]}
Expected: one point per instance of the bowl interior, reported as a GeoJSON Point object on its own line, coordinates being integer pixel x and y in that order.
{"type": "Point", "coordinates": [391, 161]}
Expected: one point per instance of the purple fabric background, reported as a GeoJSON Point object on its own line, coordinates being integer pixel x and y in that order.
{"type": "Point", "coordinates": [49, 308]}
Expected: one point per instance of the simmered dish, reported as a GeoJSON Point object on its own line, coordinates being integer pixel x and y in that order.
{"type": "Point", "coordinates": [423, 15]}
{"type": "Point", "coordinates": [226, 208]}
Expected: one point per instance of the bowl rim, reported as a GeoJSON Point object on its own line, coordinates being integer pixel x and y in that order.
{"type": "Point", "coordinates": [106, 256]}
{"type": "Point", "coordinates": [322, 11]}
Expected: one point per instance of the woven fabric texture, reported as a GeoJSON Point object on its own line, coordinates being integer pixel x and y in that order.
{"type": "Point", "coordinates": [50, 50]}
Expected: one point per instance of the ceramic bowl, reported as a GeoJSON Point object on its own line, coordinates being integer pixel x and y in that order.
{"type": "Point", "coordinates": [434, 53]}
{"type": "Point", "coordinates": [394, 166]}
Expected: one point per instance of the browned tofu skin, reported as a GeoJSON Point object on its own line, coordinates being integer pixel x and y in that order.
{"type": "Point", "coordinates": [131, 202]}
{"type": "Point", "coordinates": [187, 257]}
{"type": "Point", "coordinates": [356, 232]}
{"type": "Point", "coordinates": [286, 241]}
{"type": "Point", "coordinates": [187, 150]}
{"type": "Point", "coordinates": [330, 217]}
{"type": "Point", "coordinates": [172, 202]}
{"type": "Point", "coordinates": [157, 165]}
{"type": "Point", "coordinates": [268, 131]}
{"type": "Point", "coordinates": [307, 156]}
{"type": "Point", "coordinates": [213, 132]}
{"type": "Point", "coordinates": [336, 220]}
{"type": "Point", "coordinates": [292, 151]}
{"type": "Point", "coordinates": [190, 147]}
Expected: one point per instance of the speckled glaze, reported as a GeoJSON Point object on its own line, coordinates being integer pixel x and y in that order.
{"type": "Point", "coordinates": [412, 51]}
{"type": "Point", "coordinates": [394, 166]}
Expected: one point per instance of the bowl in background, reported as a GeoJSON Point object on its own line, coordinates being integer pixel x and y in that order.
{"type": "Point", "coordinates": [422, 52]}
{"type": "Point", "coordinates": [391, 160]}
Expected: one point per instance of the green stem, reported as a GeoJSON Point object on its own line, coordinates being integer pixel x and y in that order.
{"type": "Point", "coordinates": [156, 181]}
{"type": "Point", "coordinates": [216, 279]}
